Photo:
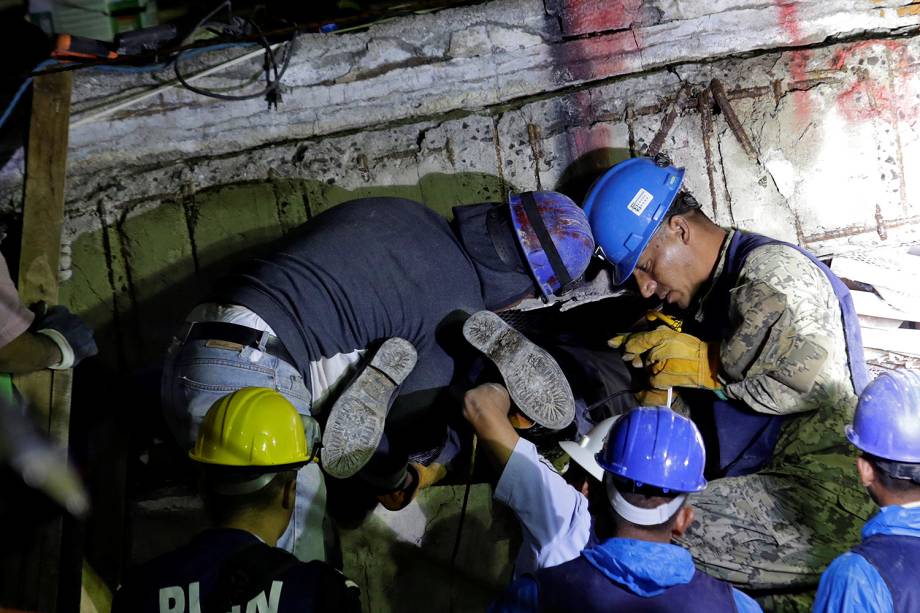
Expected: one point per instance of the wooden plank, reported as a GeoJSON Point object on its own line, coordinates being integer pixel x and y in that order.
{"type": "Point", "coordinates": [48, 392]}
{"type": "Point", "coordinates": [43, 213]}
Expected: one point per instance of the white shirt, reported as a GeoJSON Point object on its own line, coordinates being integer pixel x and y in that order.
{"type": "Point", "coordinates": [554, 515]}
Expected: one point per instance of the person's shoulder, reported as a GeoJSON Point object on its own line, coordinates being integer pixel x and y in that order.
{"type": "Point", "coordinates": [851, 583]}
{"type": "Point", "coordinates": [781, 265]}
{"type": "Point", "coordinates": [389, 204]}
{"type": "Point", "coordinates": [164, 563]}
{"type": "Point", "coordinates": [845, 565]}
{"type": "Point", "coordinates": [321, 585]}
{"type": "Point", "coordinates": [848, 571]}
{"type": "Point", "coordinates": [313, 567]}
{"type": "Point", "coordinates": [776, 253]}
{"type": "Point", "coordinates": [377, 214]}
{"type": "Point", "coordinates": [144, 579]}
{"type": "Point", "coordinates": [744, 603]}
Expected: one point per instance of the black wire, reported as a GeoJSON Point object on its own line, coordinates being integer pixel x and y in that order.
{"type": "Point", "coordinates": [269, 54]}
{"type": "Point", "coordinates": [594, 405]}
{"type": "Point", "coordinates": [362, 20]}
{"type": "Point", "coordinates": [271, 85]}
{"type": "Point", "coordinates": [462, 518]}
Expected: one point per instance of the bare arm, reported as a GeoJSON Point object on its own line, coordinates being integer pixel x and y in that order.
{"type": "Point", "coordinates": [486, 408]}
{"type": "Point", "coordinates": [28, 352]}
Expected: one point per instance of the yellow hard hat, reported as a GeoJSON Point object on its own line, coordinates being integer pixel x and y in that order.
{"type": "Point", "coordinates": [253, 426]}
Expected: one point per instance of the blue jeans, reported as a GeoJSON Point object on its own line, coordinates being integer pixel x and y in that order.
{"type": "Point", "coordinates": [196, 375]}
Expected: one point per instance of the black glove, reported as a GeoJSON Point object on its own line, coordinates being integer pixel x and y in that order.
{"type": "Point", "coordinates": [70, 333]}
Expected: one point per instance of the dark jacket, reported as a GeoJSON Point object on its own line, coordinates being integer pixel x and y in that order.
{"type": "Point", "coordinates": [224, 567]}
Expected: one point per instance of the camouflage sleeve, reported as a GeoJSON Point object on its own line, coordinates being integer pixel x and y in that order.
{"type": "Point", "coordinates": [785, 325]}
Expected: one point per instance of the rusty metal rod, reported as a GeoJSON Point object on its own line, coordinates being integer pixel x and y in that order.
{"type": "Point", "coordinates": [718, 92]}
{"type": "Point", "coordinates": [704, 106]}
{"type": "Point", "coordinates": [668, 122]}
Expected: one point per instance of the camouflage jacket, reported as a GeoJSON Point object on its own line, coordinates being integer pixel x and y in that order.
{"type": "Point", "coordinates": [787, 353]}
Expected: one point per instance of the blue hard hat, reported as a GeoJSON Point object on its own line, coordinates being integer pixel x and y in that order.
{"type": "Point", "coordinates": [887, 419]}
{"type": "Point", "coordinates": [555, 237]}
{"type": "Point", "coordinates": [626, 205]}
{"type": "Point", "coordinates": [656, 446]}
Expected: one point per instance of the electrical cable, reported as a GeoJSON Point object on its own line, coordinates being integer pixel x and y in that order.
{"type": "Point", "coordinates": [191, 53]}
{"type": "Point", "coordinates": [344, 25]}
{"type": "Point", "coordinates": [594, 405]}
{"type": "Point", "coordinates": [204, 20]}
{"type": "Point", "coordinates": [93, 115]}
{"type": "Point", "coordinates": [270, 87]}
{"type": "Point", "coordinates": [22, 90]}
{"type": "Point", "coordinates": [466, 499]}
{"type": "Point", "coordinates": [270, 91]}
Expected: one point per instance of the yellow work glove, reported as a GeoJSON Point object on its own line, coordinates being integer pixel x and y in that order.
{"type": "Point", "coordinates": [672, 359]}
{"type": "Point", "coordinates": [655, 397]}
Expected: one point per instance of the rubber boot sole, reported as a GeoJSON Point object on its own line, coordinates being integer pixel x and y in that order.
{"type": "Point", "coordinates": [357, 418]}
{"type": "Point", "coordinates": [534, 380]}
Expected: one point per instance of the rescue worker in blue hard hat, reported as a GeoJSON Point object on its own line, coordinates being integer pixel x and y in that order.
{"type": "Point", "coordinates": [769, 360]}
{"type": "Point", "coordinates": [880, 575]}
{"type": "Point", "coordinates": [370, 296]}
{"type": "Point", "coordinates": [652, 459]}
{"type": "Point", "coordinates": [250, 446]}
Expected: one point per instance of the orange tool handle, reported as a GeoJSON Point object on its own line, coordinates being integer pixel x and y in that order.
{"type": "Point", "coordinates": [671, 322]}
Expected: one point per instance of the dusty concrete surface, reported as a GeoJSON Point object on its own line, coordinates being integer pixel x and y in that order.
{"type": "Point", "coordinates": [402, 560]}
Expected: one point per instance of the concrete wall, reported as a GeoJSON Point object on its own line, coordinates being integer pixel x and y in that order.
{"type": "Point", "coordinates": [460, 106]}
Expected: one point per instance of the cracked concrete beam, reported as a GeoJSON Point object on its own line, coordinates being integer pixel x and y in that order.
{"type": "Point", "coordinates": [403, 69]}
{"type": "Point", "coordinates": [590, 16]}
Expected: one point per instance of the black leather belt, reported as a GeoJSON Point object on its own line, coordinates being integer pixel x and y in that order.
{"type": "Point", "coordinates": [241, 335]}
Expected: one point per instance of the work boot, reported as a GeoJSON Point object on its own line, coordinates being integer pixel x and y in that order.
{"type": "Point", "coordinates": [356, 420]}
{"type": "Point", "coordinates": [536, 384]}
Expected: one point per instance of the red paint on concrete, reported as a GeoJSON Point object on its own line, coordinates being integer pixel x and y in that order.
{"type": "Point", "coordinates": [839, 61]}
{"type": "Point", "coordinates": [587, 139]}
{"type": "Point", "coordinates": [590, 16]}
{"type": "Point", "coordinates": [870, 97]}
{"type": "Point", "coordinates": [599, 57]}
{"type": "Point", "coordinates": [798, 63]}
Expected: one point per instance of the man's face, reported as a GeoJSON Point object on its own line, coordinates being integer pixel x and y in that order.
{"type": "Point", "coordinates": [665, 268]}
